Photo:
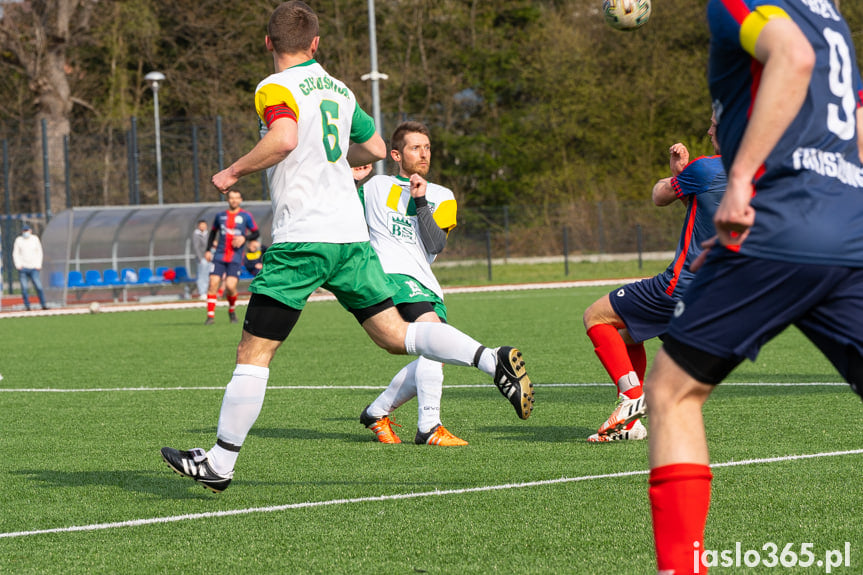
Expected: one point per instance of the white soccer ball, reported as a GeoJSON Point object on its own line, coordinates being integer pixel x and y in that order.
{"type": "Point", "coordinates": [626, 14]}
{"type": "Point", "coordinates": [95, 307]}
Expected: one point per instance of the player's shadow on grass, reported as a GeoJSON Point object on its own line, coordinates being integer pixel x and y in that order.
{"type": "Point", "coordinates": [309, 434]}
{"type": "Point", "coordinates": [538, 433]}
{"type": "Point", "coordinates": [167, 485]}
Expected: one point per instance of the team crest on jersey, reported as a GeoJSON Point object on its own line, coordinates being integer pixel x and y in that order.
{"type": "Point", "coordinates": [238, 220]}
{"type": "Point", "coordinates": [679, 309]}
{"type": "Point", "coordinates": [401, 228]}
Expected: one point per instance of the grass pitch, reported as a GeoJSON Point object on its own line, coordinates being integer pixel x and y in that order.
{"type": "Point", "coordinates": [88, 400]}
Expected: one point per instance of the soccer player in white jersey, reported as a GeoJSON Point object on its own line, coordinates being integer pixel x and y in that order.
{"type": "Point", "coordinates": [408, 228]}
{"type": "Point", "coordinates": [315, 132]}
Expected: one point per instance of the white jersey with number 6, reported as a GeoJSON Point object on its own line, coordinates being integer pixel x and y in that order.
{"type": "Point", "coordinates": [312, 190]}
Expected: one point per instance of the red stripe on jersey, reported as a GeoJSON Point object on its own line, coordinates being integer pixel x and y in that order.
{"type": "Point", "coordinates": [273, 113]}
{"type": "Point", "coordinates": [229, 245]}
{"type": "Point", "coordinates": [738, 9]}
{"type": "Point", "coordinates": [681, 259]}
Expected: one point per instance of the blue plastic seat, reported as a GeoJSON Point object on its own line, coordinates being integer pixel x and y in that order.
{"type": "Point", "coordinates": [145, 276]}
{"type": "Point", "coordinates": [92, 278]}
{"type": "Point", "coordinates": [182, 275]}
{"type": "Point", "coordinates": [159, 272]}
{"type": "Point", "coordinates": [56, 279]}
{"type": "Point", "coordinates": [111, 278]}
{"type": "Point", "coordinates": [245, 275]}
{"type": "Point", "coordinates": [76, 279]}
{"type": "Point", "coordinates": [128, 275]}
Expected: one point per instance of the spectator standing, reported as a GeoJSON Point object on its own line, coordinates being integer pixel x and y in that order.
{"type": "Point", "coordinates": [200, 246]}
{"type": "Point", "coordinates": [27, 256]}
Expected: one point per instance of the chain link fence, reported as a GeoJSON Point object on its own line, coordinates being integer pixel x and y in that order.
{"type": "Point", "coordinates": [105, 167]}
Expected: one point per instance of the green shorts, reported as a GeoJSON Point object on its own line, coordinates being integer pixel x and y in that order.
{"type": "Point", "coordinates": [352, 272]}
{"type": "Point", "coordinates": [412, 291]}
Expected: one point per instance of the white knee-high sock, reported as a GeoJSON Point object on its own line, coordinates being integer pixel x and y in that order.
{"type": "Point", "coordinates": [401, 389]}
{"type": "Point", "coordinates": [241, 406]}
{"type": "Point", "coordinates": [444, 343]}
{"type": "Point", "coordinates": [429, 377]}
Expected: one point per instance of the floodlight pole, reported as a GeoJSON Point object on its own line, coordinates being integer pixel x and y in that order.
{"type": "Point", "coordinates": [374, 76]}
{"type": "Point", "coordinates": [153, 78]}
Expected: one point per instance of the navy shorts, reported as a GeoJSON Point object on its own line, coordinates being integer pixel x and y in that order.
{"type": "Point", "coordinates": [738, 303]}
{"type": "Point", "coordinates": [644, 307]}
{"type": "Point", "coordinates": [228, 269]}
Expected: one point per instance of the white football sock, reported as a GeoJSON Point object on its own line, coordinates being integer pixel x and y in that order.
{"type": "Point", "coordinates": [444, 343]}
{"type": "Point", "coordinates": [429, 377]}
{"type": "Point", "coordinates": [401, 389]}
{"type": "Point", "coordinates": [241, 405]}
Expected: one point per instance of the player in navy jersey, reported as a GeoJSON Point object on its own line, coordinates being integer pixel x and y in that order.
{"type": "Point", "coordinates": [620, 322]}
{"type": "Point", "coordinates": [230, 231]}
{"type": "Point", "coordinates": [790, 231]}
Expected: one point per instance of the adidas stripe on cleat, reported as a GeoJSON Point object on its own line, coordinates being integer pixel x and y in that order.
{"type": "Point", "coordinates": [382, 426]}
{"type": "Point", "coordinates": [439, 435]}
{"type": "Point", "coordinates": [626, 411]}
{"type": "Point", "coordinates": [635, 432]}
{"type": "Point", "coordinates": [511, 379]}
{"type": "Point", "coordinates": [194, 464]}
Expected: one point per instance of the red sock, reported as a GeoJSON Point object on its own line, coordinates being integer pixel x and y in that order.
{"type": "Point", "coordinates": [679, 500]}
{"type": "Point", "coordinates": [611, 350]}
{"type": "Point", "coordinates": [211, 305]}
{"type": "Point", "coordinates": [638, 358]}
{"type": "Point", "coordinates": [232, 303]}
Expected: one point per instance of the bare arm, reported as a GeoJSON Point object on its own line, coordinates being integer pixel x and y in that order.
{"type": "Point", "coordinates": [663, 193]}
{"type": "Point", "coordinates": [279, 141]}
{"type": "Point", "coordinates": [368, 152]}
{"type": "Point", "coordinates": [678, 159]}
{"type": "Point", "coordinates": [788, 60]}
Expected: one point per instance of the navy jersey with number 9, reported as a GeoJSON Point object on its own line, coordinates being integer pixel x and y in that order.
{"type": "Point", "coordinates": [809, 193]}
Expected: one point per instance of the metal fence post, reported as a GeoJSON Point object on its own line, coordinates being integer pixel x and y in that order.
{"type": "Point", "coordinates": [600, 231]}
{"type": "Point", "coordinates": [136, 181]}
{"type": "Point", "coordinates": [46, 170]}
{"type": "Point", "coordinates": [219, 143]}
{"type": "Point", "coordinates": [488, 251]}
{"type": "Point", "coordinates": [506, 233]}
{"type": "Point", "coordinates": [67, 171]}
{"type": "Point", "coordinates": [565, 251]}
{"type": "Point", "coordinates": [196, 171]}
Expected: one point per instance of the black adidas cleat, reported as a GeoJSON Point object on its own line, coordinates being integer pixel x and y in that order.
{"type": "Point", "coordinates": [511, 379]}
{"type": "Point", "coordinates": [233, 317]}
{"type": "Point", "coordinates": [194, 464]}
{"type": "Point", "coordinates": [209, 321]}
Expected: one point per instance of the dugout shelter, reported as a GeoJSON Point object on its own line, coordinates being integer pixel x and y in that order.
{"type": "Point", "coordinates": [129, 253]}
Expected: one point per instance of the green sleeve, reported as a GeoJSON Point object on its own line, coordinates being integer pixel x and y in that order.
{"type": "Point", "coordinates": [362, 195]}
{"type": "Point", "coordinates": [362, 126]}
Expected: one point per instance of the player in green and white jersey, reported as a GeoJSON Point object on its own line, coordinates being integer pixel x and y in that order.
{"type": "Point", "coordinates": [315, 132]}
{"type": "Point", "coordinates": [408, 228]}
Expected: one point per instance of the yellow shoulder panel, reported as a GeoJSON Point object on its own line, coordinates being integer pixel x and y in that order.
{"type": "Point", "coordinates": [444, 215]}
{"type": "Point", "coordinates": [754, 23]}
{"type": "Point", "coordinates": [272, 95]}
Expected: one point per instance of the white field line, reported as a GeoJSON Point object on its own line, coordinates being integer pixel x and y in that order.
{"type": "Point", "coordinates": [193, 304]}
{"type": "Point", "coordinates": [372, 387]}
{"type": "Point", "coordinates": [396, 497]}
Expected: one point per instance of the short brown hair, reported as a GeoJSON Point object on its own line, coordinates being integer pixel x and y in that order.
{"type": "Point", "coordinates": [293, 25]}
{"type": "Point", "coordinates": [398, 140]}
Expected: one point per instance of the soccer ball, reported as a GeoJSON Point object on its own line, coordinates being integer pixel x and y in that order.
{"type": "Point", "coordinates": [626, 14]}
{"type": "Point", "coordinates": [95, 307]}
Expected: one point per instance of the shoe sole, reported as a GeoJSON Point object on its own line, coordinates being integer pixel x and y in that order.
{"type": "Point", "coordinates": [181, 474]}
{"type": "Point", "coordinates": [524, 406]}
